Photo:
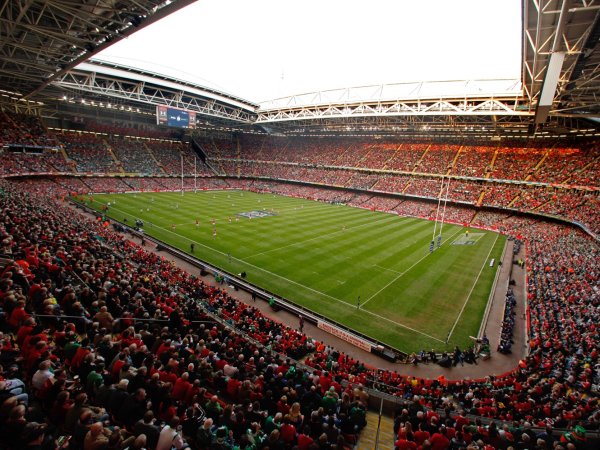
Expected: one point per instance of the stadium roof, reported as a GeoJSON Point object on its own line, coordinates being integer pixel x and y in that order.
{"type": "Point", "coordinates": [44, 39]}
{"type": "Point", "coordinates": [561, 62]}
{"type": "Point", "coordinates": [43, 43]}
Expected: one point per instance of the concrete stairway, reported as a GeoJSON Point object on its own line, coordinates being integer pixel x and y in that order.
{"type": "Point", "coordinates": [368, 435]}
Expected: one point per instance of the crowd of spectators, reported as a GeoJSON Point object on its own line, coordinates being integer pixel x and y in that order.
{"type": "Point", "coordinates": [465, 191]}
{"type": "Point", "coordinates": [226, 148]}
{"type": "Point", "coordinates": [516, 163]}
{"type": "Point", "coordinates": [427, 187]}
{"type": "Point", "coordinates": [501, 195]}
{"type": "Point", "coordinates": [198, 375]}
{"type": "Point", "coordinates": [438, 159]}
{"type": "Point", "coordinates": [59, 187]}
{"type": "Point", "coordinates": [89, 151]}
{"type": "Point", "coordinates": [415, 427]}
{"type": "Point", "coordinates": [392, 183]}
{"type": "Point", "coordinates": [407, 157]}
{"type": "Point", "coordinates": [22, 129]}
{"type": "Point", "coordinates": [105, 185]}
{"type": "Point", "coordinates": [85, 368]}
{"type": "Point", "coordinates": [362, 180]}
{"type": "Point", "coordinates": [353, 155]}
{"type": "Point", "coordinates": [166, 153]}
{"type": "Point", "coordinates": [562, 164]}
{"type": "Point", "coordinates": [361, 200]}
{"type": "Point", "coordinates": [101, 153]}
{"type": "Point", "coordinates": [134, 156]}
{"type": "Point", "coordinates": [24, 162]}
{"type": "Point", "coordinates": [376, 202]}
{"type": "Point", "coordinates": [490, 219]}
{"type": "Point", "coordinates": [508, 322]}
{"type": "Point", "coordinates": [455, 214]}
{"type": "Point", "coordinates": [474, 161]}
{"type": "Point", "coordinates": [548, 165]}
{"type": "Point", "coordinates": [416, 208]}
{"type": "Point", "coordinates": [113, 149]}
{"type": "Point", "coordinates": [169, 155]}
{"type": "Point", "coordinates": [378, 154]}
{"type": "Point", "coordinates": [587, 212]}
{"type": "Point", "coordinates": [10, 133]}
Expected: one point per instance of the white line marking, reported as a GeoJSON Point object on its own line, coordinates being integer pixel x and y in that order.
{"type": "Point", "coordinates": [385, 268]}
{"type": "Point", "coordinates": [485, 263]}
{"type": "Point", "coordinates": [471, 235]}
{"type": "Point", "coordinates": [403, 273]}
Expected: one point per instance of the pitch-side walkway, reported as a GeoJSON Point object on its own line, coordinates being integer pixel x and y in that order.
{"type": "Point", "coordinates": [496, 365]}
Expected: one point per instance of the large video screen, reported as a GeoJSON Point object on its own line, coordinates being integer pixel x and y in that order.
{"type": "Point", "coordinates": [174, 117]}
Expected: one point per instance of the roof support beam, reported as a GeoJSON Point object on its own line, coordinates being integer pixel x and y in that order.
{"type": "Point", "coordinates": [554, 68]}
{"type": "Point", "coordinates": [549, 87]}
{"type": "Point", "coordinates": [163, 12]}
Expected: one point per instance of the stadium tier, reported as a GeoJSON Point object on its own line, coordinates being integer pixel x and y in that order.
{"type": "Point", "coordinates": [386, 237]}
{"type": "Point", "coordinates": [72, 290]}
{"type": "Point", "coordinates": [557, 181]}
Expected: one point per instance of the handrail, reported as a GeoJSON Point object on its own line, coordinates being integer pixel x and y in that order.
{"type": "Point", "coordinates": [379, 424]}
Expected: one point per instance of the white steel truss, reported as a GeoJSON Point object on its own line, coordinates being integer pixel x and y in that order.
{"type": "Point", "coordinates": [451, 89]}
{"type": "Point", "coordinates": [461, 107]}
{"type": "Point", "coordinates": [569, 27]}
{"type": "Point", "coordinates": [150, 91]}
{"type": "Point", "coordinates": [40, 39]}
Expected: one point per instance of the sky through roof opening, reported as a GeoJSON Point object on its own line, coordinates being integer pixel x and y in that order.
{"type": "Point", "coordinates": [265, 49]}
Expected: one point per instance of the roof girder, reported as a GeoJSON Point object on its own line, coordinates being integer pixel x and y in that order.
{"type": "Point", "coordinates": [551, 26]}
{"type": "Point", "coordinates": [93, 83]}
{"type": "Point", "coordinates": [456, 107]}
{"type": "Point", "coordinates": [41, 38]}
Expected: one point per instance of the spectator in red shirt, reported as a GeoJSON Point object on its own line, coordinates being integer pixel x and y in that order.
{"type": "Point", "coordinates": [18, 315]}
{"type": "Point", "coordinates": [181, 387]}
{"type": "Point", "coordinates": [287, 430]}
{"type": "Point", "coordinates": [421, 435]}
{"type": "Point", "coordinates": [304, 439]}
{"type": "Point", "coordinates": [439, 441]}
{"type": "Point", "coordinates": [404, 444]}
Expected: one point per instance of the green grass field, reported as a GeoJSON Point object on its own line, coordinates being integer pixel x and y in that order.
{"type": "Point", "coordinates": [325, 257]}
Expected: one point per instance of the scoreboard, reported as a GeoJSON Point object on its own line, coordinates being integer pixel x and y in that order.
{"type": "Point", "coordinates": [173, 117]}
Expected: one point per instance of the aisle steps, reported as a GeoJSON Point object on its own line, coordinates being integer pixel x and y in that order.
{"type": "Point", "coordinates": [368, 435]}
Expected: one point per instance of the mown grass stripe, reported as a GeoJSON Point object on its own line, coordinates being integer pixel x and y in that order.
{"type": "Point", "coordinates": [304, 254]}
